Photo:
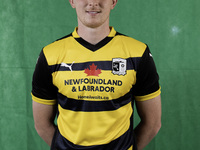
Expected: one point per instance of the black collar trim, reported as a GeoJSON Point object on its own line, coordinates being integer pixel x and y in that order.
{"type": "Point", "coordinates": [95, 47]}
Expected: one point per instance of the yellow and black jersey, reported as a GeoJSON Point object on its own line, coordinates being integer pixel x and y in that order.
{"type": "Point", "coordinates": [94, 87]}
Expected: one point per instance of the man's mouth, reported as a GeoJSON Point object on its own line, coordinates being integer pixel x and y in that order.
{"type": "Point", "coordinates": [93, 12]}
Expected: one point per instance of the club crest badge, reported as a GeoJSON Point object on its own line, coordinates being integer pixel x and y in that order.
{"type": "Point", "coordinates": [119, 66]}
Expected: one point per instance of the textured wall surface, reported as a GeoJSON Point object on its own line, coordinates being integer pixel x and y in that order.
{"type": "Point", "coordinates": [170, 28]}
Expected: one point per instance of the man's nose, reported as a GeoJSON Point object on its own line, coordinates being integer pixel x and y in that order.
{"type": "Point", "coordinates": [93, 4]}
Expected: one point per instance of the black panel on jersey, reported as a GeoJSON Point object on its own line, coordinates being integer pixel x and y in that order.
{"type": "Point", "coordinates": [147, 77]}
{"type": "Point", "coordinates": [93, 106]}
{"type": "Point", "coordinates": [96, 46]}
{"type": "Point", "coordinates": [42, 86]}
{"type": "Point", "coordinates": [132, 64]}
{"type": "Point", "coordinates": [120, 34]}
{"type": "Point", "coordinates": [120, 143]}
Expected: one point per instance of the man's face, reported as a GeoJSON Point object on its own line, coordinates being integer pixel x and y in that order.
{"type": "Point", "coordinates": [93, 13]}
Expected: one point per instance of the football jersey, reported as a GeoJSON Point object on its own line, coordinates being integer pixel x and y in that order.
{"type": "Point", "coordinates": [94, 88]}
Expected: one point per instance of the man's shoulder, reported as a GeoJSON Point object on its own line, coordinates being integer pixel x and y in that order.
{"type": "Point", "coordinates": [53, 50]}
{"type": "Point", "coordinates": [129, 40]}
{"type": "Point", "coordinates": [59, 42]}
{"type": "Point", "coordinates": [131, 43]}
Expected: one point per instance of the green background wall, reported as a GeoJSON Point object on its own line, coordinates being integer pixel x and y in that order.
{"type": "Point", "coordinates": [171, 28]}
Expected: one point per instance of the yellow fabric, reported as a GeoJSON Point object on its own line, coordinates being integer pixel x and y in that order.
{"type": "Point", "coordinates": [101, 127]}
{"type": "Point", "coordinates": [130, 148]}
{"type": "Point", "coordinates": [125, 84]}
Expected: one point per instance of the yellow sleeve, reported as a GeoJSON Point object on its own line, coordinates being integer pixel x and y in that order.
{"type": "Point", "coordinates": [149, 96]}
{"type": "Point", "coordinates": [43, 101]}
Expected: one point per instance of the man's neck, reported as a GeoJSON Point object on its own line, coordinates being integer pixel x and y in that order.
{"type": "Point", "coordinates": [93, 35]}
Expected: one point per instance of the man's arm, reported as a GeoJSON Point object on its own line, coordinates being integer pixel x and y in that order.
{"type": "Point", "coordinates": [44, 116]}
{"type": "Point", "coordinates": [150, 114]}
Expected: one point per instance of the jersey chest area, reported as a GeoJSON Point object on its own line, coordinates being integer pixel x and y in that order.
{"type": "Point", "coordinates": [100, 75]}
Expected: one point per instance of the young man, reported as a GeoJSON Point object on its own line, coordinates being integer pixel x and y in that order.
{"type": "Point", "coordinates": [91, 78]}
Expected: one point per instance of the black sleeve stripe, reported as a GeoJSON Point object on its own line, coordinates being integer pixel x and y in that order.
{"type": "Point", "coordinates": [42, 86]}
{"type": "Point", "coordinates": [147, 76]}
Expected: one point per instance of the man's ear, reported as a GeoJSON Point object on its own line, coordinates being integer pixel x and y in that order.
{"type": "Point", "coordinates": [114, 2]}
{"type": "Point", "coordinates": [72, 3]}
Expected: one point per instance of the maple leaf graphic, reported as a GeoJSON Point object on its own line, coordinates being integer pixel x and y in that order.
{"type": "Point", "coordinates": [93, 71]}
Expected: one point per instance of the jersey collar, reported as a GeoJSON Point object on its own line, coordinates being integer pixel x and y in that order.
{"type": "Point", "coordinates": [111, 34]}
{"type": "Point", "coordinates": [97, 46]}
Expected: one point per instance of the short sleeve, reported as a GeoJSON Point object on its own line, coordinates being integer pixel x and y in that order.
{"type": "Point", "coordinates": [43, 90]}
{"type": "Point", "coordinates": [147, 79]}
